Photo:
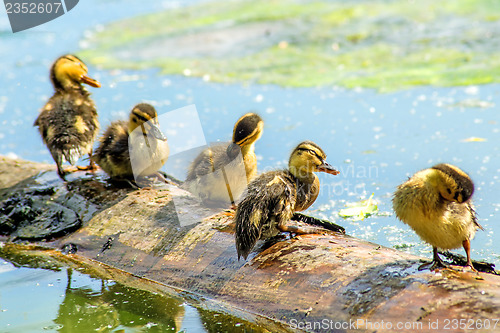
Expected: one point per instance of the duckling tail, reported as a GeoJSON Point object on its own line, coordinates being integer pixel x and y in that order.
{"type": "Point", "coordinates": [249, 224]}
{"type": "Point", "coordinates": [72, 155]}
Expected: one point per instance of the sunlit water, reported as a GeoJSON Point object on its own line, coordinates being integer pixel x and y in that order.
{"type": "Point", "coordinates": [376, 140]}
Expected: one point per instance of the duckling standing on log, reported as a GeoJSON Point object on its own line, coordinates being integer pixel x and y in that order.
{"type": "Point", "coordinates": [436, 204]}
{"type": "Point", "coordinates": [220, 173]}
{"type": "Point", "coordinates": [68, 122]}
{"type": "Point", "coordinates": [273, 197]}
{"type": "Point", "coordinates": [137, 147]}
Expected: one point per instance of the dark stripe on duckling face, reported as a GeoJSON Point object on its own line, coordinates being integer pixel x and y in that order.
{"type": "Point", "coordinates": [465, 186]}
{"type": "Point", "coordinates": [139, 116]}
{"type": "Point", "coordinates": [144, 112]}
{"type": "Point", "coordinates": [309, 157]}
{"type": "Point", "coordinates": [76, 60]}
{"type": "Point", "coordinates": [313, 148]}
{"type": "Point", "coordinates": [145, 116]}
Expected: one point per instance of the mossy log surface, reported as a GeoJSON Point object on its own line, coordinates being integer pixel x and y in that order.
{"type": "Point", "coordinates": [330, 278]}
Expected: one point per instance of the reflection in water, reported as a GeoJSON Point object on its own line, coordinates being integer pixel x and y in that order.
{"type": "Point", "coordinates": [113, 305]}
{"type": "Point", "coordinates": [220, 322]}
{"type": "Point", "coordinates": [63, 299]}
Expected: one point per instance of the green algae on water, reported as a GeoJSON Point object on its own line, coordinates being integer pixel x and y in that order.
{"type": "Point", "coordinates": [360, 210]}
{"type": "Point", "coordinates": [386, 45]}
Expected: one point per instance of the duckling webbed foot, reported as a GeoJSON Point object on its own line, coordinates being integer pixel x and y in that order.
{"type": "Point", "coordinates": [84, 168]}
{"type": "Point", "coordinates": [436, 262]}
{"type": "Point", "coordinates": [229, 212]}
{"type": "Point", "coordinates": [92, 167]}
{"type": "Point", "coordinates": [63, 172]}
{"type": "Point", "coordinates": [459, 260]}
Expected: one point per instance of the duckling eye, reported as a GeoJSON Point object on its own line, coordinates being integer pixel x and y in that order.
{"type": "Point", "coordinates": [448, 190]}
{"type": "Point", "coordinates": [312, 152]}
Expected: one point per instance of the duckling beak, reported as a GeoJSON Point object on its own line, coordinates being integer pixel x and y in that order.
{"type": "Point", "coordinates": [157, 133]}
{"type": "Point", "coordinates": [325, 167]}
{"type": "Point", "coordinates": [90, 81]}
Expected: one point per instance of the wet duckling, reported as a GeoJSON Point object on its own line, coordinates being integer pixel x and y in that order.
{"type": "Point", "coordinates": [220, 172]}
{"type": "Point", "coordinates": [436, 204]}
{"type": "Point", "coordinates": [273, 197]}
{"type": "Point", "coordinates": [135, 147]}
{"type": "Point", "coordinates": [68, 122]}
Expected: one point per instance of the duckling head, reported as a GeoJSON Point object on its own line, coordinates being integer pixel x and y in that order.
{"type": "Point", "coordinates": [452, 183]}
{"type": "Point", "coordinates": [69, 72]}
{"type": "Point", "coordinates": [307, 158]}
{"type": "Point", "coordinates": [144, 115]}
{"type": "Point", "coordinates": [246, 131]}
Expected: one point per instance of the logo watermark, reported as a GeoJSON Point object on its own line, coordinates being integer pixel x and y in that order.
{"type": "Point", "coordinates": [213, 187]}
{"type": "Point", "coordinates": [25, 14]}
{"type": "Point", "coordinates": [383, 325]}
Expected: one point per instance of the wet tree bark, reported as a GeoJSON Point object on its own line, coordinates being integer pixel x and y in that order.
{"type": "Point", "coordinates": [329, 282]}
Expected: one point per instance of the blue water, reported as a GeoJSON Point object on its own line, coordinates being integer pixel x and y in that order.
{"type": "Point", "coordinates": [376, 140]}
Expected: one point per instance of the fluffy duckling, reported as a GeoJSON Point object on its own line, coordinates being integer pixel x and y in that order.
{"type": "Point", "coordinates": [68, 122]}
{"type": "Point", "coordinates": [134, 148]}
{"type": "Point", "coordinates": [273, 197]}
{"type": "Point", "coordinates": [436, 204]}
{"type": "Point", "coordinates": [220, 172]}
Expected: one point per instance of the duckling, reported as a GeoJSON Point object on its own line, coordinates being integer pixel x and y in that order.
{"type": "Point", "coordinates": [134, 148]}
{"type": "Point", "coordinates": [273, 197]}
{"type": "Point", "coordinates": [68, 122]}
{"type": "Point", "coordinates": [220, 171]}
{"type": "Point", "coordinates": [436, 204]}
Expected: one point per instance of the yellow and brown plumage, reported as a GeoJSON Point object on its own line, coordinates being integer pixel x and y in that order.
{"type": "Point", "coordinates": [273, 197]}
{"type": "Point", "coordinates": [221, 172]}
{"type": "Point", "coordinates": [68, 122]}
{"type": "Point", "coordinates": [436, 204]}
{"type": "Point", "coordinates": [134, 148]}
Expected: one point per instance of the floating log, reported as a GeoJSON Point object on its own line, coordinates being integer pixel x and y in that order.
{"type": "Point", "coordinates": [328, 282]}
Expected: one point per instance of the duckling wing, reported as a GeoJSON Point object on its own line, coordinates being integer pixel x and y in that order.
{"type": "Point", "coordinates": [473, 215]}
{"type": "Point", "coordinates": [268, 202]}
{"type": "Point", "coordinates": [209, 160]}
{"type": "Point", "coordinates": [113, 155]}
